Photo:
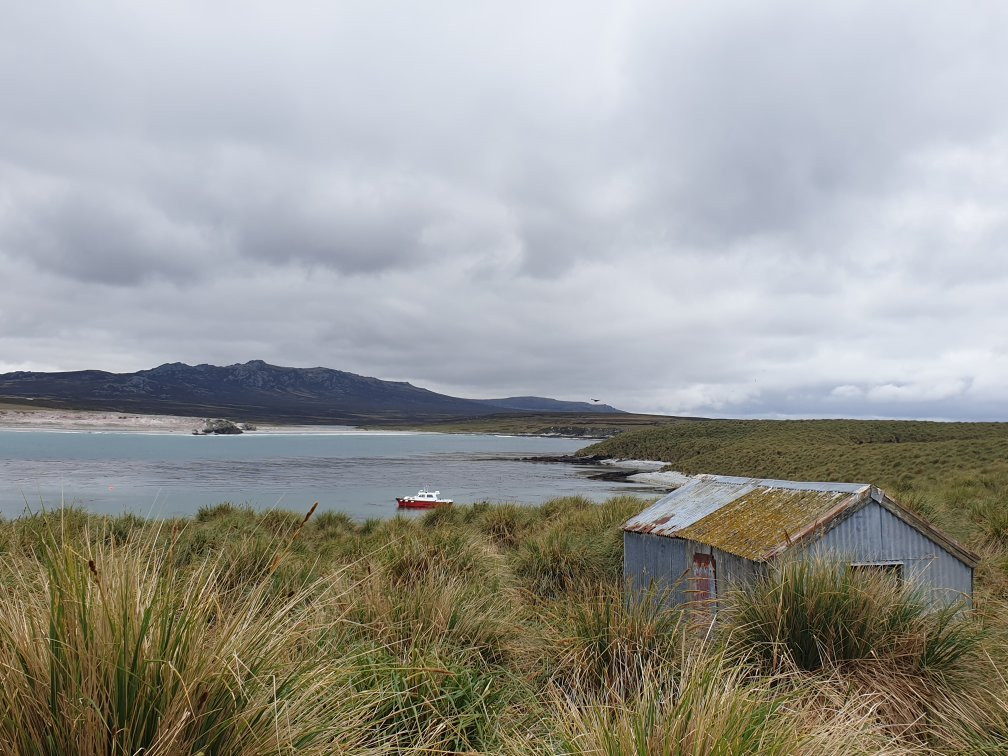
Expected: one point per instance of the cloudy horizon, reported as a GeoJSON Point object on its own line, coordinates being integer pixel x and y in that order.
{"type": "Point", "coordinates": [724, 209]}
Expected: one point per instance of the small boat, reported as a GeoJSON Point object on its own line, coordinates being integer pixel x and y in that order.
{"type": "Point", "coordinates": [424, 499]}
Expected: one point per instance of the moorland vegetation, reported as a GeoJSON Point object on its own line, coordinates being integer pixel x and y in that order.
{"type": "Point", "coordinates": [954, 474]}
{"type": "Point", "coordinates": [499, 628]}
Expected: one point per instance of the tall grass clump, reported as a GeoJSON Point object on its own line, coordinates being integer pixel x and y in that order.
{"type": "Point", "coordinates": [815, 613]}
{"type": "Point", "coordinates": [560, 560]}
{"type": "Point", "coordinates": [441, 589]}
{"type": "Point", "coordinates": [120, 655]}
{"type": "Point", "coordinates": [28, 535]}
{"type": "Point", "coordinates": [602, 642]}
{"type": "Point", "coordinates": [565, 505]}
{"type": "Point", "coordinates": [410, 554]}
{"type": "Point", "coordinates": [577, 545]}
{"type": "Point", "coordinates": [209, 512]}
{"type": "Point", "coordinates": [445, 613]}
{"type": "Point", "coordinates": [334, 523]}
{"type": "Point", "coordinates": [441, 517]}
{"type": "Point", "coordinates": [505, 524]}
{"type": "Point", "coordinates": [992, 517]}
{"type": "Point", "coordinates": [427, 704]}
{"type": "Point", "coordinates": [707, 706]}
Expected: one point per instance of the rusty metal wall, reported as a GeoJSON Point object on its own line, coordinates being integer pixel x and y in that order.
{"type": "Point", "coordinates": [667, 561]}
{"type": "Point", "coordinates": [731, 570]}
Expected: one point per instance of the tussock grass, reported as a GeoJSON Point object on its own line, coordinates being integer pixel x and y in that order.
{"type": "Point", "coordinates": [410, 555]}
{"type": "Point", "coordinates": [428, 705]}
{"type": "Point", "coordinates": [443, 517]}
{"type": "Point", "coordinates": [446, 613]}
{"type": "Point", "coordinates": [814, 613]}
{"type": "Point", "coordinates": [489, 628]}
{"type": "Point", "coordinates": [705, 708]}
{"type": "Point", "coordinates": [216, 511]}
{"type": "Point", "coordinates": [119, 654]}
{"type": "Point", "coordinates": [506, 524]}
{"type": "Point", "coordinates": [710, 705]}
{"type": "Point", "coordinates": [921, 669]}
{"type": "Point", "coordinates": [578, 543]}
{"type": "Point", "coordinates": [333, 523]}
{"type": "Point", "coordinates": [601, 642]}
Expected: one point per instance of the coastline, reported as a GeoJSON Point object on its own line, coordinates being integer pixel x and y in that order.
{"type": "Point", "coordinates": [30, 418]}
{"type": "Point", "coordinates": [647, 471]}
{"type": "Point", "coordinates": [27, 418]}
{"type": "Point", "coordinates": [84, 421]}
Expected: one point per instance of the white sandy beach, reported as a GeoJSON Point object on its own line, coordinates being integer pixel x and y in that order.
{"type": "Point", "coordinates": [30, 418]}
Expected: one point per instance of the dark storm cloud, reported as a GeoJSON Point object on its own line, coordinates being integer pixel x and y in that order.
{"type": "Point", "coordinates": [774, 209]}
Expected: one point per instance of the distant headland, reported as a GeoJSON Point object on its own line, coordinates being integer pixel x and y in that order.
{"type": "Point", "coordinates": [260, 392]}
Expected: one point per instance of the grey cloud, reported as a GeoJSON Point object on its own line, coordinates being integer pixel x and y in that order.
{"type": "Point", "coordinates": [722, 208]}
{"type": "Point", "coordinates": [370, 225]}
{"type": "Point", "coordinates": [762, 119]}
{"type": "Point", "coordinates": [98, 237]}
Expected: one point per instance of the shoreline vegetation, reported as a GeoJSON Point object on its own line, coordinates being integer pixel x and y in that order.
{"type": "Point", "coordinates": [503, 628]}
{"type": "Point", "coordinates": [481, 628]}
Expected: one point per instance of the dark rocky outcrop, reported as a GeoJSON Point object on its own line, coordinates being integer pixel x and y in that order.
{"type": "Point", "coordinates": [218, 426]}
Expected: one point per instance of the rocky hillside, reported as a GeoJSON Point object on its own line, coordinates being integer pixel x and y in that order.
{"type": "Point", "coordinates": [260, 391]}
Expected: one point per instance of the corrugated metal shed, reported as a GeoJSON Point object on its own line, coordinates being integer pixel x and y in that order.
{"type": "Point", "coordinates": [757, 519]}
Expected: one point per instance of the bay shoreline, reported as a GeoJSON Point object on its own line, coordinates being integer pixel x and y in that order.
{"type": "Point", "coordinates": [98, 421]}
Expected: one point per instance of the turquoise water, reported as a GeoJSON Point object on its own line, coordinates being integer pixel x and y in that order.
{"type": "Point", "coordinates": [360, 473]}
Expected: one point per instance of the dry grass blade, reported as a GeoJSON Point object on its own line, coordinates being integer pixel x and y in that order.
{"type": "Point", "coordinates": [297, 532]}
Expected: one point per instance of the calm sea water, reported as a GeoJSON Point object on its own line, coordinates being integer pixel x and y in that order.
{"type": "Point", "coordinates": [360, 472]}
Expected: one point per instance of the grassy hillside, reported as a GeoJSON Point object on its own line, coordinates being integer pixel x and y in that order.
{"type": "Point", "coordinates": [596, 425]}
{"type": "Point", "coordinates": [503, 629]}
{"type": "Point", "coordinates": [894, 451]}
{"type": "Point", "coordinates": [490, 629]}
{"type": "Point", "coordinates": [956, 474]}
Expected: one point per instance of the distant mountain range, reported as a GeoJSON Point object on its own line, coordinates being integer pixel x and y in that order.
{"type": "Point", "coordinates": [259, 391]}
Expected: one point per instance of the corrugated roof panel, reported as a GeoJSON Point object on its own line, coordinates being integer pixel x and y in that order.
{"type": "Point", "coordinates": [748, 517]}
{"type": "Point", "coordinates": [686, 505]}
{"type": "Point", "coordinates": [753, 525]}
{"type": "Point", "coordinates": [796, 485]}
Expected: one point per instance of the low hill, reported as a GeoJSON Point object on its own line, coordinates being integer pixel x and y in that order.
{"type": "Point", "coordinates": [257, 390]}
{"type": "Point", "coordinates": [953, 474]}
{"type": "Point", "coordinates": [541, 404]}
{"type": "Point", "coordinates": [887, 452]}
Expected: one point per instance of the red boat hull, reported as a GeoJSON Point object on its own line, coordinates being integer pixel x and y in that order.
{"type": "Point", "coordinates": [407, 503]}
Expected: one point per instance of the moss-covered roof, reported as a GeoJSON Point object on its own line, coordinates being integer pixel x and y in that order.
{"type": "Point", "coordinates": [751, 518]}
{"type": "Point", "coordinates": [753, 525]}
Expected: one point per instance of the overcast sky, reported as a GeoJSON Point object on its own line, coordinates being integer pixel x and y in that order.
{"type": "Point", "coordinates": [716, 208]}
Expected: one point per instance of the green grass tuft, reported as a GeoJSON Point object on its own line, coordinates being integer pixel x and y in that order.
{"type": "Point", "coordinates": [816, 613]}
